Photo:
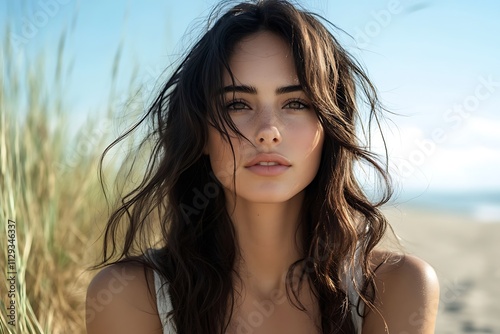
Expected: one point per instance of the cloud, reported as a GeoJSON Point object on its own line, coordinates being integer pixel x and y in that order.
{"type": "Point", "coordinates": [466, 159]}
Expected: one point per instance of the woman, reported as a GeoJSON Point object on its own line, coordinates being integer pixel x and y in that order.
{"type": "Point", "coordinates": [264, 225]}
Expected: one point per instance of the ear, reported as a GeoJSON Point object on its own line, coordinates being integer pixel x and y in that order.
{"type": "Point", "coordinates": [205, 149]}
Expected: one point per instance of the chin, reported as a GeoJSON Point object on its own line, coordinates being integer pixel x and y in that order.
{"type": "Point", "coordinates": [273, 196]}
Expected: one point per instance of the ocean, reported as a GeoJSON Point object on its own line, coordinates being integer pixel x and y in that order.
{"type": "Point", "coordinates": [481, 206]}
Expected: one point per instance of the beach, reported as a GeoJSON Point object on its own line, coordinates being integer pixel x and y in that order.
{"type": "Point", "coordinates": [464, 252]}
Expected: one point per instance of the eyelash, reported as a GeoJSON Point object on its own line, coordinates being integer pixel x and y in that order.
{"type": "Point", "coordinates": [233, 102]}
{"type": "Point", "coordinates": [304, 105]}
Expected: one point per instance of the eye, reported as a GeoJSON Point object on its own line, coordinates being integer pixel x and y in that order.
{"type": "Point", "coordinates": [296, 104]}
{"type": "Point", "coordinates": [236, 105]}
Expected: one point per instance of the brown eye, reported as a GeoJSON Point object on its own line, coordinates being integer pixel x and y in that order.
{"type": "Point", "coordinates": [296, 105]}
{"type": "Point", "coordinates": [236, 105]}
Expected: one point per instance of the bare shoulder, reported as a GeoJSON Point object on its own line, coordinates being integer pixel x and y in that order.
{"type": "Point", "coordinates": [406, 297]}
{"type": "Point", "coordinates": [120, 299]}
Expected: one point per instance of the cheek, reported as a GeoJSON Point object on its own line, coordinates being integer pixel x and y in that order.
{"type": "Point", "coordinates": [312, 153]}
{"type": "Point", "coordinates": [222, 158]}
{"type": "Point", "coordinates": [317, 139]}
{"type": "Point", "coordinates": [308, 137]}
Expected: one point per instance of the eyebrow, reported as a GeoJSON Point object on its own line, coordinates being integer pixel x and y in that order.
{"type": "Point", "coordinates": [253, 90]}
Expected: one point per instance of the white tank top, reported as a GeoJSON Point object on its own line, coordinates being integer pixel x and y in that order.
{"type": "Point", "coordinates": [164, 304]}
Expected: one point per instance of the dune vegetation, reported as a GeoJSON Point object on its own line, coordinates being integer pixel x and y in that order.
{"type": "Point", "coordinates": [51, 200]}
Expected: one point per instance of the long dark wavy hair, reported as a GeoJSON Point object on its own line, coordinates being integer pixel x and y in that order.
{"type": "Point", "coordinates": [196, 248]}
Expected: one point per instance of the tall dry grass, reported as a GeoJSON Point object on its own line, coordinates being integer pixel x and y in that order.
{"type": "Point", "coordinates": [50, 188]}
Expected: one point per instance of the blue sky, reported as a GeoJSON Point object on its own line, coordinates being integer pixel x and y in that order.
{"type": "Point", "coordinates": [436, 63]}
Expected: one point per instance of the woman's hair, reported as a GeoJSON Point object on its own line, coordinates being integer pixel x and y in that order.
{"type": "Point", "coordinates": [197, 248]}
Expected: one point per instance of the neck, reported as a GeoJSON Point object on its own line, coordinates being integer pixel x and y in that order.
{"type": "Point", "coordinates": [268, 241]}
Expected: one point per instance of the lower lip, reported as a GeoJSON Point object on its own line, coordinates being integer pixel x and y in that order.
{"type": "Point", "coordinates": [268, 170]}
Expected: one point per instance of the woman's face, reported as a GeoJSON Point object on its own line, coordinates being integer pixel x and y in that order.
{"type": "Point", "coordinates": [269, 107]}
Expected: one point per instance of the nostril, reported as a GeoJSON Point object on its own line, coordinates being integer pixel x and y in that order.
{"type": "Point", "coordinates": [274, 140]}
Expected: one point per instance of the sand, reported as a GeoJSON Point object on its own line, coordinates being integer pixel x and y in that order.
{"type": "Point", "coordinates": [465, 254]}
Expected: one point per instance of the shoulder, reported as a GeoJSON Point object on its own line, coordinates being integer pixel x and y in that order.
{"type": "Point", "coordinates": [406, 296]}
{"type": "Point", "coordinates": [121, 299]}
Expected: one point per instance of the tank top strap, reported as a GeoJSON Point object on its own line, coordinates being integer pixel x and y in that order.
{"type": "Point", "coordinates": [354, 299]}
{"type": "Point", "coordinates": [163, 303]}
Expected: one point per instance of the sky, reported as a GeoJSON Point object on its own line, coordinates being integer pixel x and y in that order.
{"type": "Point", "coordinates": [435, 63]}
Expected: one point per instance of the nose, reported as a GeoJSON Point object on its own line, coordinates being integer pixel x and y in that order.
{"type": "Point", "coordinates": [268, 132]}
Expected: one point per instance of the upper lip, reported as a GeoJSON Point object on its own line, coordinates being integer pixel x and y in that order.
{"type": "Point", "coordinates": [268, 157]}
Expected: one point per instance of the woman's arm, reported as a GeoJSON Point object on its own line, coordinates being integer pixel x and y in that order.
{"type": "Point", "coordinates": [119, 302]}
{"type": "Point", "coordinates": [407, 299]}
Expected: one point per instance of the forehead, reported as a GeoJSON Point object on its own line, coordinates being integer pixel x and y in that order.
{"type": "Point", "coordinates": [262, 56]}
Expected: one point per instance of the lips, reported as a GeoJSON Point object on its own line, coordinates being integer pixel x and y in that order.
{"type": "Point", "coordinates": [268, 159]}
{"type": "Point", "coordinates": [268, 164]}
